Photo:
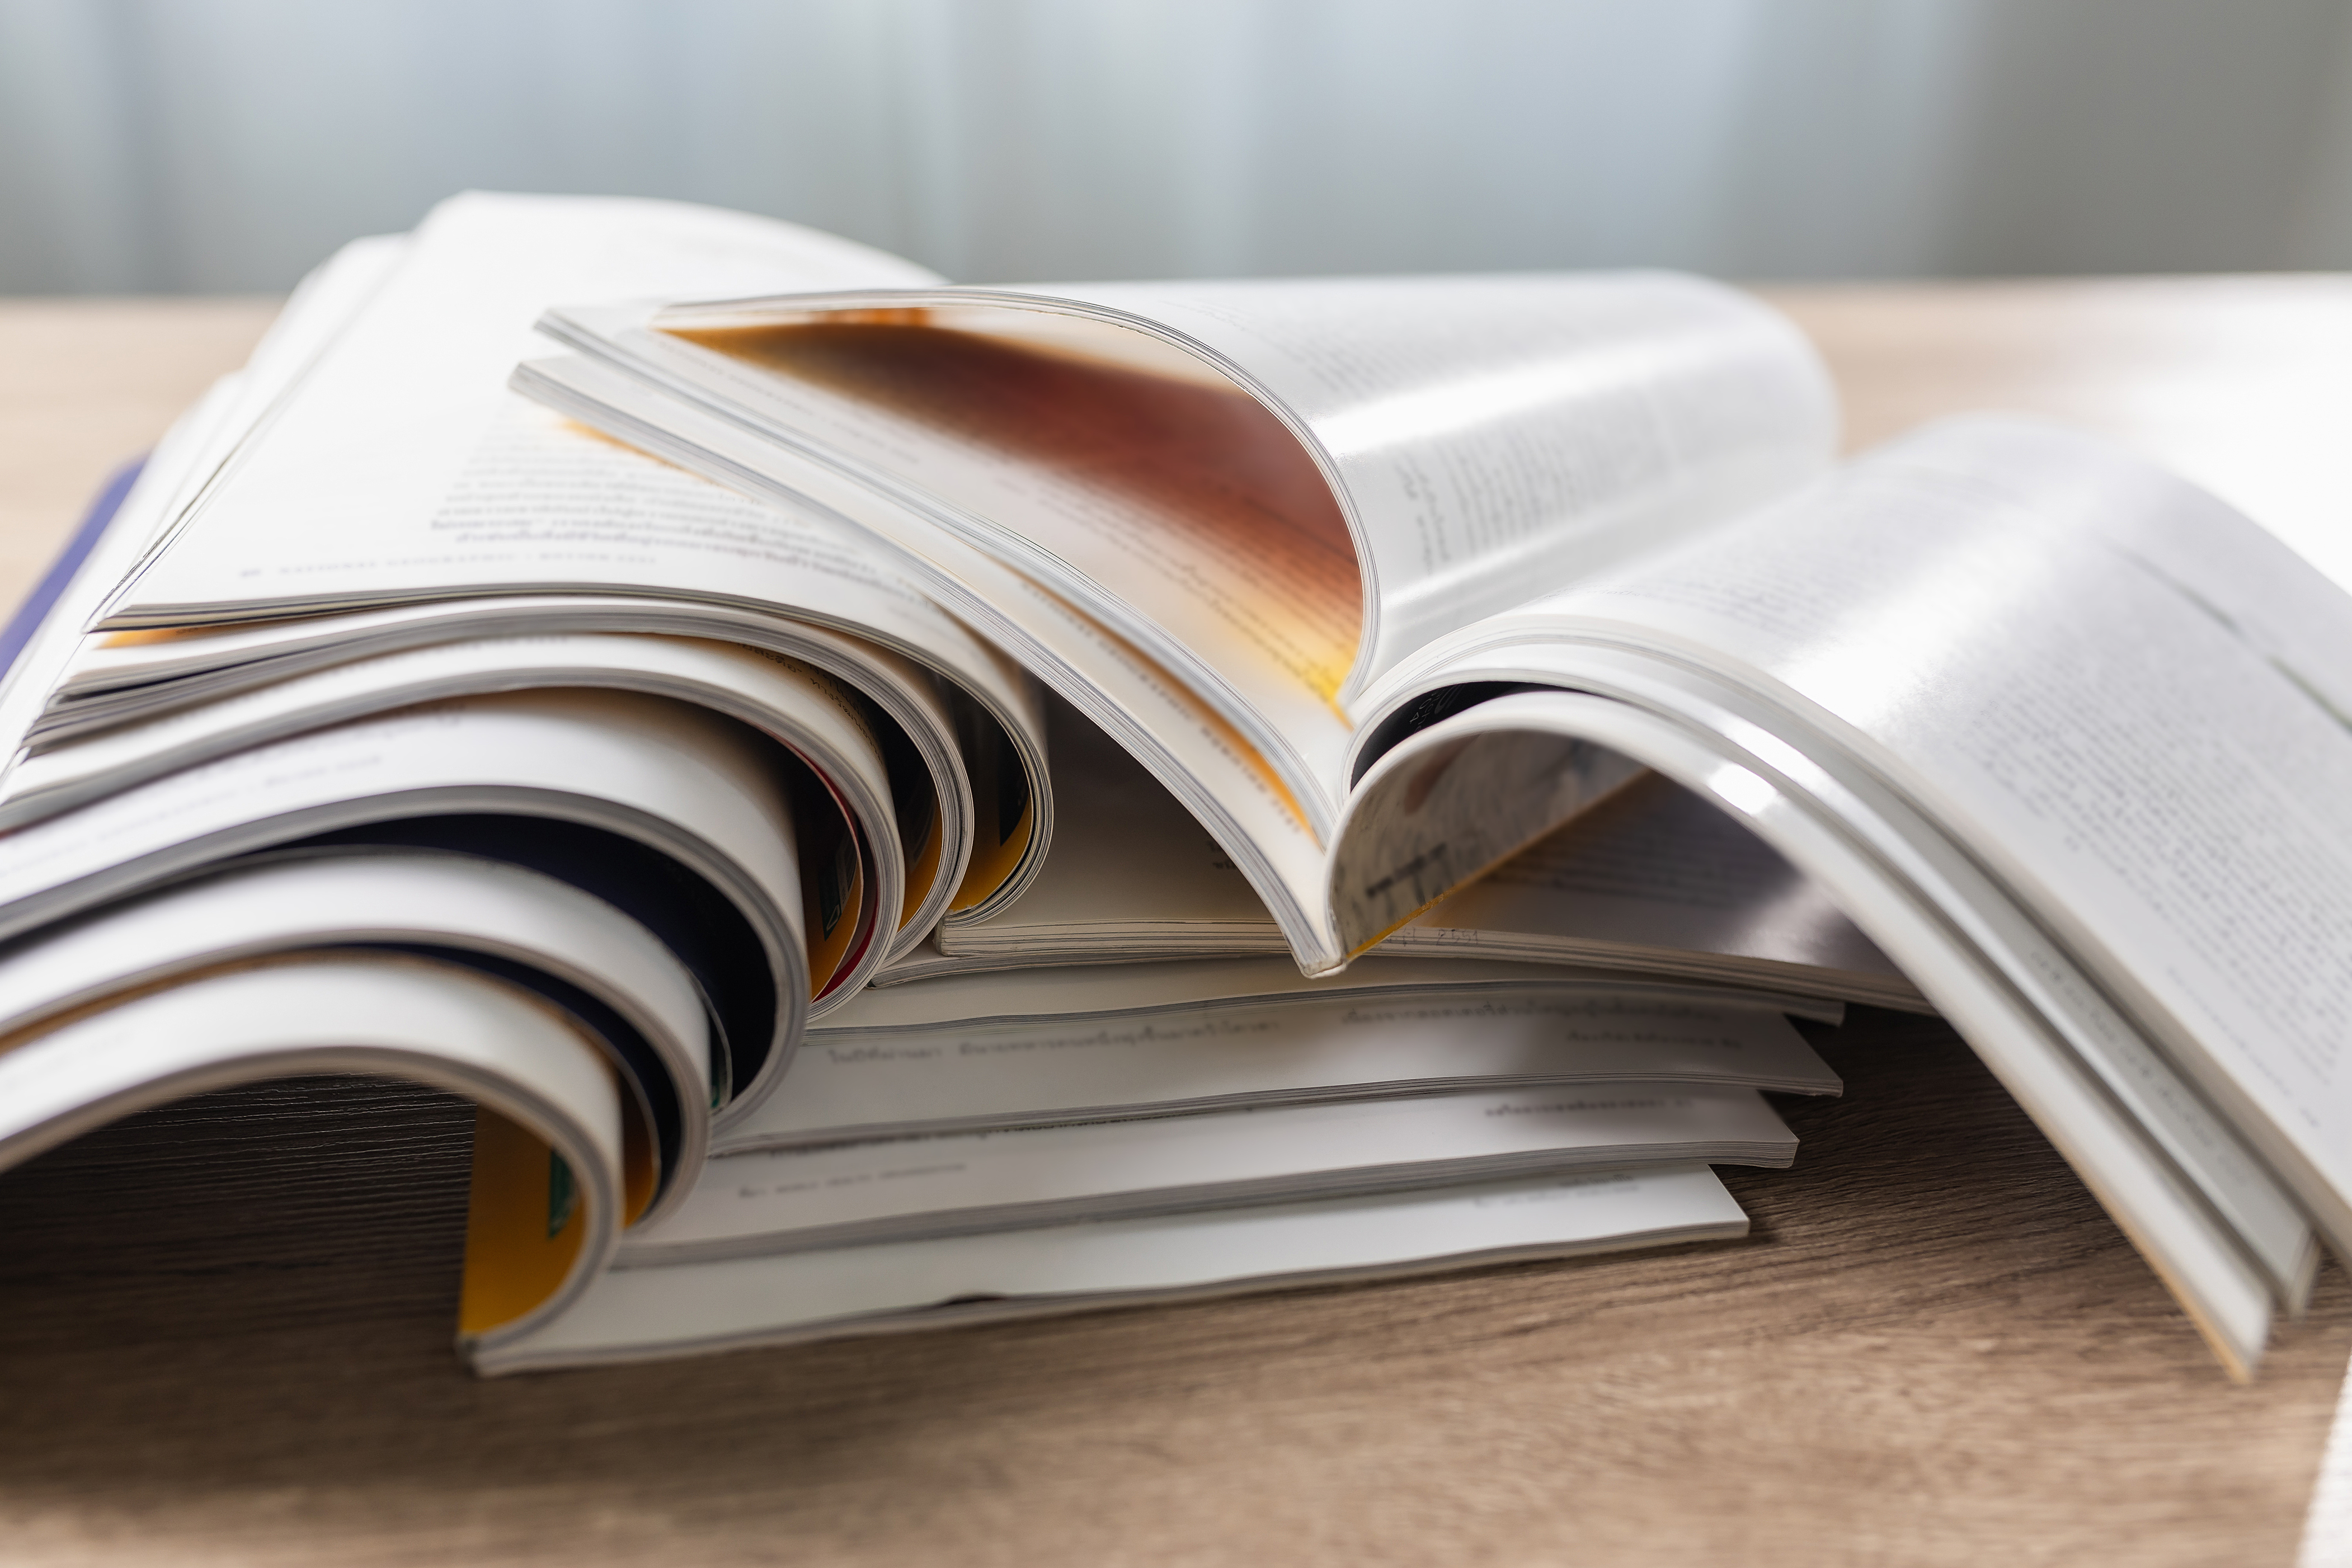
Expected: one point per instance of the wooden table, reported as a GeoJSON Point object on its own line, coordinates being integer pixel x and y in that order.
{"type": "Point", "coordinates": [224, 1327]}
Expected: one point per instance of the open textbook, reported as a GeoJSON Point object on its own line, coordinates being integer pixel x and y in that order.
{"type": "Point", "coordinates": [1430, 601]}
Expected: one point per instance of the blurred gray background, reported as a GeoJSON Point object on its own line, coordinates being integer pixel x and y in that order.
{"type": "Point", "coordinates": [170, 145]}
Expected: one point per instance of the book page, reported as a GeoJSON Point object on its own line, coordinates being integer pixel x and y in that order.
{"type": "Point", "coordinates": [1126, 858]}
{"type": "Point", "coordinates": [1192, 498]}
{"type": "Point", "coordinates": [1212, 772]}
{"type": "Point", "coordinates": [859, 1079]}
{"type": "Point", "coordinates": [788, 1200]}
{"type": "Point", "coordinates": [437, 481]}
{"type": "Point", "coordinates": [637, 1312]}
{"type": "Point", "coordinates": [533, 502]}
{"type": "Point", "coordinates": [2123, 695]}
{"type": "Point", "coordinates": [1451, 804]}
{"type": "Point", "coordinates": [1654, 878]}
{"type": "Point", "coordinates": [1007, 994]}
{"type": "Point", "coordinates": [190, 453]}
{"type": "Point", "coordinates": [1481, 436]}
{"type": "Point", "coordinates": [1185, 516]}
{"type": "Point", "coordinates": [1654, 867]}
{"type": "Point", "coordinates": [786, 700]}
{"type": "Point", "coordinates": [1491, 435]}
{"type": "Point", "coordinates": [496, 495]}
{"type": "Point", "coordinates": [663, 760]}
{"type": "Point", "coordinates": [1225, 621]}
{"type": "Point", "coordinates": [275, 904]}
{"type": "Point", "coordinates": [394, 412]}
{"type": "Point", "coordinates": [2219, 1227]}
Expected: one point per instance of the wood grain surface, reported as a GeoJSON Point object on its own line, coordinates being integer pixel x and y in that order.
{"type": "Point", "coordinates": [224, 1327]}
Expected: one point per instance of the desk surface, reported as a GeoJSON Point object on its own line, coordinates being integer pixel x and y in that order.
{"type": "Point", "coordinates": [224, 1328]}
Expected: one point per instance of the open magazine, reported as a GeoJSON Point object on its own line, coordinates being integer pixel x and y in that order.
{"type": "Point", "coordinates": [1384, 585]}
{"type": "Point", "coordinates": [573, 782]}
{"type": "Point", "coordinates": [2064, 736]}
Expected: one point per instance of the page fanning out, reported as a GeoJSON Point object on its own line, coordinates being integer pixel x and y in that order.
{"type": "Point", "coordinates": [1654, 867]}
{"type": "Point", "coordinates": [1181, 512]}
{"type": "Point", "coordinates": [1481, 436]}
{"type": "Point", "coordinates": [2117, 692]}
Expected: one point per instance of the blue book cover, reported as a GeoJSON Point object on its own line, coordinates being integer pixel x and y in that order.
{"type": "Point", "coordinates": [52, 585]}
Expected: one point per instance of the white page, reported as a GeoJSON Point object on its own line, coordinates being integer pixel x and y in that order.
{"type": "Point", "coordinates": [169, 469]}
{"type": "Point", "coordinates": [780, 1201]}
{"type": "Point", "coordinates": [187, 456]}
{"type": "Point", "coordinates": [395, 413]}
{"type": "Point", "coordinates": [1656, 881]}
{"type": "Point", "coordinates": [1656, 867]}
{"type": "Point", "coordinates": [526, 501]}
{"type": "Point", "coordinates": [657, 532]}
{"type": "Point", "coordinates": [535, 502]}
{"type": "Point", "coordinates": [2171, 787]}
{"type": "Point", "coordinates": [856, 1079]}
{"type": "Point", "coordinates": [250, 909]}
{"type": "Point", "coordinates": [1492, 433]}
{"type": "Point", "coordinates": [639, 1312]}
{"type": "Point", "coordinates": [661, 759]}
{"type": "Point", "coordinates": [790, 702]}
{"type": "Point", "coordinates": [313, 1014]}
{"type": "Point", "coordinates": [1125, 855]}
{"type": "Point", "coordinates": [1232, 749]}
{"type": "Point", "coordinates": [2220, 1229]}
{"type": "Point", "coordinates": [1480, 433]}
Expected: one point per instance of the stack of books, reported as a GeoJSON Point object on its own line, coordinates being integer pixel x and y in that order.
{"type": "Point", "coordinates": [904, 804]}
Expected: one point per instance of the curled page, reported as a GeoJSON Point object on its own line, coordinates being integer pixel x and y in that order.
{"type": "Point", "coordinates": [851, 866]}
{"type": "Point", "coordinates": [508, 776]}
{"type": "Point", "coordinates": [546, 1202]}
{"type": "Point", "coordinates": [1274, 489]}
{"type": "Point", "coordinates": [620, 981]}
